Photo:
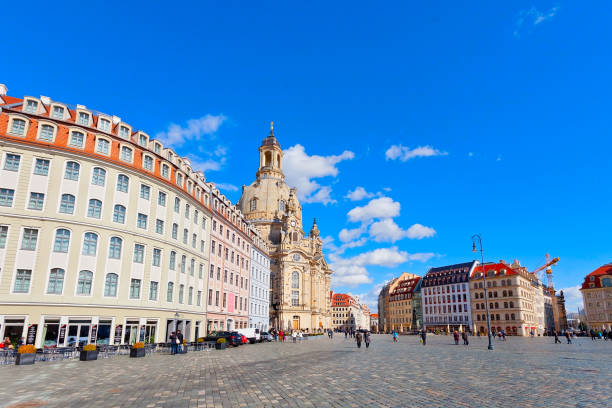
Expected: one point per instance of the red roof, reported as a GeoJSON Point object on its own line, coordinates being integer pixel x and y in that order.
{"type": "Point", "coordinates": [496, 268]}
{"type": "Point", "coordinates": [593, 279]}
{"type": "Point", "coordinates": [374, 315]}
{"type": "Point", "coordinates": [342, 299]}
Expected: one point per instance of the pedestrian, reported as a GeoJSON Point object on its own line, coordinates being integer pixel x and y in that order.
{"type": "Point", "coordinates": [424, 336]}
{"type": "Point", "coordinates": [605, 335]}
{"type": "Point", "coordinates": [556, 337]}
{"type": "Point", "coordinates": [280, 335]}
{"type": "Point", "coordinates": [592, 335]}
{"type": "Point", "coordinates": [331, 334]}
{"type": "Point", "coordinates": [503, 335]}
{"type": "Point", "coordinates": [300, 336]}
{"type": "Point", "coordinates": [464, 335]}
{"type": "Point", "coordinates": [394, 333]}
{"type": "Point", "coordinates": [345, 334]}
{"type": "Point", "coordinates": [179, 338]}
{"type": "Point", "coordinates": [173, 343]}
{"type": "Point", "coordinates": [294, 335]}
{"type": "Point", "coordinates": [367, 338]}
{"type": "Point", "coordinates": [456, 337]}
{"type": "Point", "coordinates": [358, 339]}
{"type": "Point", "coordinates": [531, 333]}
{"type": "Point", "coordinates": [568, 337]}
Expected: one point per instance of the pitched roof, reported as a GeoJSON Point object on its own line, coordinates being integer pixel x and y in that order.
{"type": "Point", "coordinates": [593, 279]}
{"type": "Point", "coordinates": [493, 269]}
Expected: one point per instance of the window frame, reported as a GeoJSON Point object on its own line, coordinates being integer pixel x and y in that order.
{"type": "Point", "coordinates": [39, 128]}
{"type": "Point", "coordinates": [26, 126]}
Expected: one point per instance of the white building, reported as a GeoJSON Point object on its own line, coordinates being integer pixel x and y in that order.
{"type": "Point", "coordinates": [259, 297]}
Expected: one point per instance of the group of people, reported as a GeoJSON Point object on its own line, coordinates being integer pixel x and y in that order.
{"type": "Point", "coordinates": [8, 345]}
{"type": "Point", "coordinates": [281, 335]}
{"type": "Point", "coordinates": [366, 337]}
{"type": "Point", "coordinates": [422, 335]}
{"type": "Point", "coordinates": [464, 337]}
{"type": "Point", "coordinates": [606, 335]}
{"type": "Point", "coordinates": [176, 342]}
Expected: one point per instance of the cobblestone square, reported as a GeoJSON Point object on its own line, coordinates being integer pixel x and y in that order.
{"type": "Point", "coordinates": [526, 372]}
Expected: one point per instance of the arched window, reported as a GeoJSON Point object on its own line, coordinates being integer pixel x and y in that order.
{"type": "Point", "coordinates": [606, 282]}
{"type": "Point", "coordinates": [119, 214]}
{"type": "Point", "coordinates": [148, 163]}
{"type": "Point", "coordinates": [46, 133]}
{"type": "Point", "coordinates": [114, 250]}
{"type": "Point", "coordinates": [504, 293]}
{"type": "Point", "coordinates": [267, 159]}
{"type": "Point", "coordinates": [123, 183]}
{"type": "Point", "coordinates": [98, 176]}
{"type": "Point", "coordinates": [512, 316]}
{"type": "Point", "coordinates": [90, 244]}
{"type": "Point", "coordinates": [103, 146]}
{"type": "Point", "coordinates": [165, 171]}
{"type": "Point", "coordinates": [94, 210]}
{"type": "Point", "coordinates": [281, 205]}
{"type": "Point", "coordinates": [253, 204]}
{"type": "Point", "coordinates": [84, 283]}
{"type": "Point", "coordinates": [496, 305]}
{"type": "Point", "coordinates": [77, 139]}
{"type": "Point", "coordinates": [67, 204]}
{"type": "Point", "coordinates": [18, 127]}
{"type": "Point", "coordinates": [72, 171]}
{"type": "Point", "coordinates": [511, 305]}
{"type": "Point", "coordinates": [170, 292]}
{"type": "Point", "coordinates": [295, 280]}
{"type": "Point", "coordinates": [62, 240]}
{"type": "Point", "coordinates": [110, 285]}
{"type": "Point", "coordinates": [56, 281]}
{"type": "Point", "coordinates": [126, 154]}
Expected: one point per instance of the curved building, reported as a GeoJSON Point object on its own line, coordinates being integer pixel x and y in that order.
{"type": "Point", "coordinates": [104, 233]}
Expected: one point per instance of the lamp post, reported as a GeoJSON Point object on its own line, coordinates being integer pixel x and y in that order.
{"type": "Point", "coordinates": [484, 280]}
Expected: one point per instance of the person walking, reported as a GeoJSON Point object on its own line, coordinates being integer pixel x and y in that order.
{"type": "Point", "coordinates": [605, 335]}
{"type": "Point", "coordinates": [592, 335]}
{"type": "Point", "coordinates": [394, 336]}
{"type": "Point", "coordinates": [345, 334]}
{"type": "Point", "coordinates": [280, 335]}
{"type": "Point", "coordinates": [294, 335]}
{"type": "Point", "coordinates": [466, 341]}
{"type": "Point", "coordinates": [503, 335]}
{"type": "Point", "coordinates": [456, 337]}
{"type": "Point", "coordinates": [358, 339]}
{"type": "Point", "coordinates": [568, 337]}
{"type": "Point", "coordinates": [556, 334]}
{"type": "Point", "coordinates": [173, 343]}
{"type": "Point", "coordinates": [367, 338]}
{"type": "Point", "coordinates": [179, 337]}
{"type": "Point", "coordinates": [424, 336]}
{"type": "Point", "coordinates": [300, 336]}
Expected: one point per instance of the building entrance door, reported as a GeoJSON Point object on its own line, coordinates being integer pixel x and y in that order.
{"type": "Point", "coordinates": [78, 332]}
{"type": "Point", "coordinates": [295, 324]}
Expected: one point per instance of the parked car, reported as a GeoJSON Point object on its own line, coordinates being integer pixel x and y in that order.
{"type": "Point", "coordinates": [251, 333]}
{"type": "Point", "coordinates": [237, 339]}
{"type": "Point", "coordinates": [232, 338]}
{"type": "Point", "coordinates": [265, 336]}
{"type": "Point", "coordinates": [244, 339]}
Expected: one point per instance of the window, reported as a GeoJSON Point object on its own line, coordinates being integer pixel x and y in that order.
{"type": "Point", "coordinates": [22, 281]}
{"type": "Point", "coordinates": [156, 257]}
{"type": "Point", "coordinates": [190, 296]}
{"type": "Point", "coordinates": [199, 299]}
{"type": "Point", "coordinates": [124, 132]}
{"type": "Point", "coordinates": [6, 197]}
{"type": "Point", "coordinates": [202, 245]}
{"type": "Point", "coordinates": [138, 253]}
{"type": "Point", "coordinates": [98, 176]}
{"type": "Point", "coordinates": [175, 231]}
{"type": "Point", "coordinates": [72, 171]}
{"type": "Point", "coordinates": [83, 119]}
{"type": "Point", "coordinates": [67, 204]}
{"type": "Point", "coordinates": [192, 267]}
{"type": "Point", "coordinates": [153, 291]}
{"type": "Point", "coordinates": [295, 280]}
{"type": "Point", "coordinates": [185, 236]}
{"type": "Point", "coordinates": [194, 240]}
{"type": "Point", "coordinates": [31, 106]}
{"type": "Point", "coordinates": [295, 298]}
{"type": "Point", "coordinates": [201, 271]}
{"type": "Point", "coordinates": [181, 293]}
{"type": "Point", "coordinates": [141, 222]}
{"type": "Point", "coordinates": [94, 210]}
{"type": "Point", "coordinates": [62, 240]}
{"type": "Point", "coordinates": [170, 292]}
{"type": "Point", "coordinates": [76, 139]}
{"type": "Point", "coordinates": [157, 148]}
{"type": "Point", "coordinates": [224, 300]}
{"type": "Point", "coordinates": [210, 296]}
{"type": "Point", "coordinates": [103, 146]}
{"type": "Point", "coordinates": [195, 216]}
{"type": "Point", "coordinates": [3, 235]}
{"type": "Point", "coordinates": [179, 179]}
{"type": "Point", "coordinates": [114, 250]}
{"type": "Point", "coordinates": [123, 183]}
{"type": "Point", "coordinates": [110, 285]}
{"type": "Point", "coordinates": [165, 171]}
{"type": "Point", "coordinates": [145, 191]}
{"type": "Point", "coordinates": [177, 204]}
{"type": "Point", "coordinates": [217, 298]}
{"type": "Point", "coordinates": [172, 260]}
{"type": "Point", "coordinates": [104, 125]}
{"type": "Point", "coordinates": [159, 226]}
{"type": "Point", "coordinates": [183, 263]}
{"type": "Point", "coordinates": [36, 201]}
{"type": "Point", "coordinates": [56, 281]}
{"type": "Point", "coordinates": [11, 162]}
{"type": "Point", "coordinates": [46, 133]}
{"type": "Point", "coordinates": [84, 283]}
{"type": "Point", "coordinates": [187, 211]}
{"type": "Point", "coordinates": [148, 163]}
{"type": "Point", "coordinates": [161, 199]}
{"type": "Point", "coordinates": [90, 244]}
{"type": "Point", "coordinates": [119, 214]}
{"type": "Point", "coordinates": [253, 204]}
{"type": "Point", "coordinates": [142, 140]}
{"type": "Point", "coordinates": [135, 289]}
{"type": "Point", "coordinates": [126, 154]}
{"type": "Point", "coordinates": [18, 127]}
{"type": "Point", "coordinates": [58, 112]}
{"type": "Point", "coordinates": [29, 240]}
{"type": "Point", "coordinates": [41, 167]}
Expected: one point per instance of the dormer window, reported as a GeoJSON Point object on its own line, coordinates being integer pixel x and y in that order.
{"type": "Point", "coordinates": [165, 171]}
{"type": "Point", "coordinates": [47, 133]}
{"type": "Point", "coordinates": [18, 127]}
{"type": "Point", "coordinates": [148, 163]}
{"type": "Point", "coordinates": [103, 146]}
{"type": "Point", "coordinates": [592, 278]}
{"type": "Point", "coordinates": [157, 148]}
{"type": "Point", "coordinates": [104, 125]}
{"type": "Point", "coordinates": [142, 140]}
{"type": "Point", "coordinates": [83, 119]}
{"type": "Point", "coordinates": [77, 139]}
{"type": "Point", "coordinates": [179, 179]}
{"type": "Point", "coordinates": [31, 106]}
{"type": "Point", "coordinates": [124, 132]}
{"type": "Point", "coordinates": [126, 154]}
{"type": "Point", "coordinates": [58, 112]}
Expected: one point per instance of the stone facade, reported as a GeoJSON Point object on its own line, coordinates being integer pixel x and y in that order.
{"type": "Point", "coordinates": [403, 305]}
{"type": "Point", "coordinates": [597, 295]}
{"type": "Point", "coordinates": [301, 277]}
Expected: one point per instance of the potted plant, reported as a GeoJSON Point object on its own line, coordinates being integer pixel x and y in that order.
{"type": "Point", "coordinates": [137, 350]}
{"type": "Point", "coordinates": [221, 344]}
{"type": "Point", "coordinates": [26, 355]}
{"type": "Point", "coordinates": [89, 353]}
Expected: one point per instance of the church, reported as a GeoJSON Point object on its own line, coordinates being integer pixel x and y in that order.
{"type": "Point", "coordinates": [300, 276]}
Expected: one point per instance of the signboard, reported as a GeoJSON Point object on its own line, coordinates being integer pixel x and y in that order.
{"type": "Point", "coordinates": [94, 334]}
{"type": "Point", "coordinates": [118, 333]}
{"type": "Point", "coordinates": [142, 332]}
{"type": "Point", "coordinates": [32, 329]}
{"type": "Point", "coordinates": [62, 335]}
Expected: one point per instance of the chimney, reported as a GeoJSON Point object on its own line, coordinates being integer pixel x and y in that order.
{"type": "Point", "coordinates": [3, 89]}
{"type": "Point", "coordinates": [45, 100]}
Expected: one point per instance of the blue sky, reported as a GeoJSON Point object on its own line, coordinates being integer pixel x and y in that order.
{"type": "Point", "coordinates": [453, 118]}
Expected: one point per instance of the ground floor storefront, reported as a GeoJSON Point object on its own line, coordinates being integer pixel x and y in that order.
{"type": "Point", "coordinates": [448, 328]}
{"type": "Point", "coordinates": [56, 326]}
{"type": "Point", "coordinates": [299, 320]}
{"type": "Point", "coordinates": [259, 322]}
{"type": "Point", "coordinates": [225, 322]}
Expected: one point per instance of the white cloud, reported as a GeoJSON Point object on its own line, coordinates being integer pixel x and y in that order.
{"type": "Point", "coordinates": [199, 164]}
{"type": "Point", "coordinates": [387, 230]}
{"type": "Point", "coordinates": [226, 186]}
{"type": "Point", "coordinates": [194, 130]}
{"type": "Point", "coordinates": [346, 235]}
{"type": "Point", "coordinates": [370, 298]}
{"type": "Point", "coordinates": [359, 194]}
{"type": "Point", "coordinates": [383, 207]}
{"type": "Point", "coordinates": [573, 298]}
{"type": "Point", "coordinates": [404, 153]}
{"type": "Point", "coordinates": [531, 18]}
{"type": "Point", "coordinates": [300, 169]}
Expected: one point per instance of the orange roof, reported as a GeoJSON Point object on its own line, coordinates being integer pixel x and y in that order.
{"type": "Point", "coordinates": [374, 315]}
{"type": "Point", "coordinates": [595, 276]}
{"type": "Point", "coordinates": [496, 268]}
{"type": "Point", "coordinates": [342, 299]}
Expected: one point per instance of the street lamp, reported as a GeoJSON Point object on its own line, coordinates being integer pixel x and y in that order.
{"type": "Point", "coordinates": [484, 280]}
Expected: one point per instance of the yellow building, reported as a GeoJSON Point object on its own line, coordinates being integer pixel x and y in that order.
{"type": "Point", "coordinates": [401, 305]}
{"type": "Point", "coordinates": [384, 322]}
{"type": "Point", "coordinates": [597, 295]}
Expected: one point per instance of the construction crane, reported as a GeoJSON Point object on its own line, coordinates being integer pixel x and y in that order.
{"type": "Point", "coordinates": [548, 266]}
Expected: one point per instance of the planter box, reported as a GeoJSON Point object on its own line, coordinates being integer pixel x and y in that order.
{"type": "Point", "coordinates": [220, 346]}
{"type": "Point", "coordinates": [139, 352]}
{"type": "Point", "coordinates": [89, 355]}
{"type": "Point", "coordinates": [25, 359]}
